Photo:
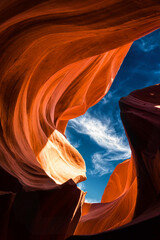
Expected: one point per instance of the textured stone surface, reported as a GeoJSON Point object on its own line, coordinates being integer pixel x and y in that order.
{"type": "Point", "coordinates": [57, 59]}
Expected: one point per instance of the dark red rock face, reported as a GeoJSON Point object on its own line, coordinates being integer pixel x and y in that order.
{"type": "Point", "coordinates": [57, 59]}
{"type": "Point", "coordinates": [40, 214]}
{"type": "Point", "coordinates": [140, 113]}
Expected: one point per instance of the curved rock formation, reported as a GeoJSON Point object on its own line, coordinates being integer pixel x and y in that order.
{"type": "Point", "coordinates": [121, 202]}
{"type": "Point", "coordinates": [117, 205]}
{"type": "Point", "coordinates": [39, 214]}
{"type": "Point", "coordinates": [58, 59]}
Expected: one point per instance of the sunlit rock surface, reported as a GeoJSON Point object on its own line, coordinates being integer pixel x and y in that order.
{"type": "Point", "coordinates": [117, 205]}
{"type": "Point", "coordinates": [132, 193]}
{"type": "Point", "coordinates": [57, 59]}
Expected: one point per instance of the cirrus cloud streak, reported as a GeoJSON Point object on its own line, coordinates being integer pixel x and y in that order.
{"type": "Point", "coordinates": [102, 133]}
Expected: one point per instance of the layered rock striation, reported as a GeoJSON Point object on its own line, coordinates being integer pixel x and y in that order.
{"type": "Point", "coordinates": [57, 59]}
{"type": "Point", "coordinates": [132, 196]}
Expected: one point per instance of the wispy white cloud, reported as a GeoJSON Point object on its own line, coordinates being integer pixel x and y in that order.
{"type": "Point", "coordinates": [147, 46]}
{"type": "Point", "coordinates": [157, 71]}
{"type": "Point", "coordinates": [91, 200]}
{"type": "Point", "coordinates": [102, 132]}
{"type": "Point", "coordinates": [74, 143]}
{"type": "Point", "coordinates": [102, 163]}
{"type": "Point", "coordinates": [148, 43]}
{"type": "Point", "coordinates": [107, 98]}
{"type": "Point", "coordinates": [81, 185]}
{"type": "Point", "coordinates": [100, 166]}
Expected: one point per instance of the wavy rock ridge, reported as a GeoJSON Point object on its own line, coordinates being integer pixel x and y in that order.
{"type": "Point", "coordinates": [58, 59]}
{"type": "Point", "coordinates": [131, 197]}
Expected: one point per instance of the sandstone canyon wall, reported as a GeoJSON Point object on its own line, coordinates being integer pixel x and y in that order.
{"type": "Point", "coordinates": [57, 59]}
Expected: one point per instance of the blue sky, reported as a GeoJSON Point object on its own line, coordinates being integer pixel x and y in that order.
{"type": "Point", "coordinates": [99, 134]}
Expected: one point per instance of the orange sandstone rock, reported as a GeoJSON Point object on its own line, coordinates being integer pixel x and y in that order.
{"type": "Point", "coordinates": [57, 59]}
{"type": "Point", "coordinates": [131, 198]}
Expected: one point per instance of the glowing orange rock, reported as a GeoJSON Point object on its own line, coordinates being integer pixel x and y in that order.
{"type": "Point", "coordinates": [58, 59]}
{"type": "Point", "coordinates": [117, 205]}
{"type": "Point", "coordinates": [121, 202]}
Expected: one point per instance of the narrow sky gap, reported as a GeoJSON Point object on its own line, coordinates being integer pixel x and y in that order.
{"type": "Point", "coordinates": [99, 135]}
